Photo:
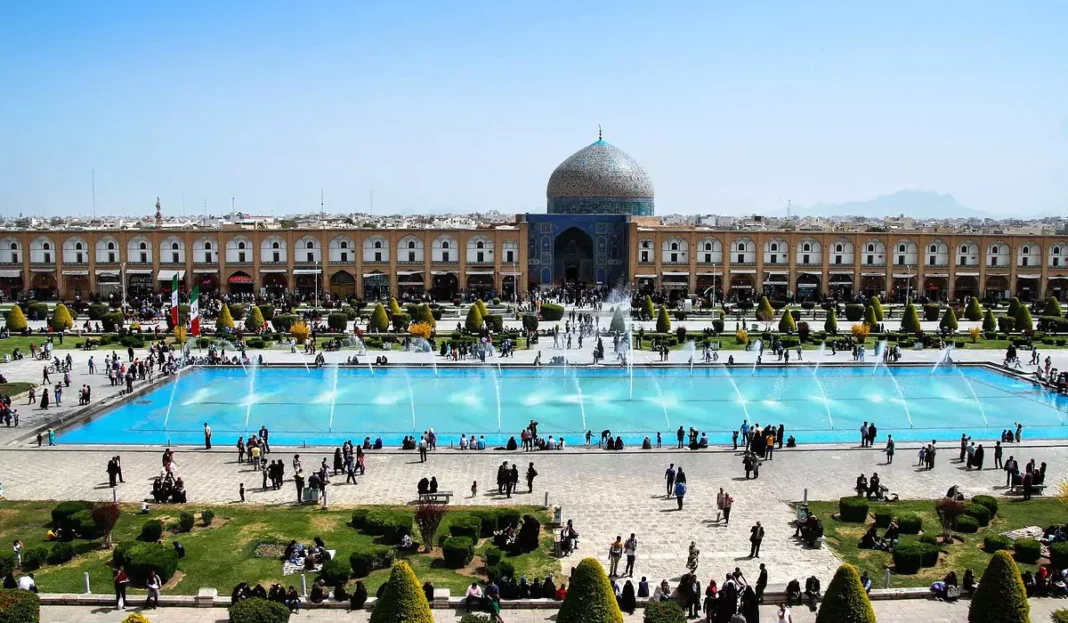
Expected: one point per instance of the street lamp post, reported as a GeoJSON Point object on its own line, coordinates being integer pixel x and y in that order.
{"type": "Point", "coordinates": [122, 278]}
{"type": "Point", "coordinates": [317, 276]}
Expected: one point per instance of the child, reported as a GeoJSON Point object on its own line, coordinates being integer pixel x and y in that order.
{"type": "Point", "coordinates": [241, 490]}
{"type": "Point", "coordinates": [474, 488]}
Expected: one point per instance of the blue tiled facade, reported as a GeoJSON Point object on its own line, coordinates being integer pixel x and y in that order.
{"type": "Point", "coordinates": [597, 205]}
{"type": "Point", "coordinates": [549, 259]}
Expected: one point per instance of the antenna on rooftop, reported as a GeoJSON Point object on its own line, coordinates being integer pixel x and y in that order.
{"type": "Point", "coordinates": [94, 191]}
{"type": "Point", "coordinates": [321, 204]}
{"type": "Point", "coordinates": [787, 208]}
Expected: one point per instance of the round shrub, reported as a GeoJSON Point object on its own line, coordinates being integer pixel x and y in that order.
{"type": "Point", "coordinates": [136, 617]}
{"type": "Point", "coordinates": [8, 562]}
{"type": "Point", "coordinates": [466, 525]}
{"type": "Point", "coordinates": [151, 531]}
{"type": "Point", "coordinates": [908, 557]}
{"type": "Point", "coordinates": [388, 523]}
{"type": "Point", "coordinates": [1027, 550]}
{"type": "Point", "coordinates": [503, 569]}
{"type": "Point", "coordinates": [144, 557]}
{"type": "Point", "coordinates": [929, 539]}
{"type": "Point", "coordinates": [1001, 596]}
{"type": "Point", "coordinates": [258, 610]}
{"type": "Point", "coordinates": [457, 551]}
{"type": "Point", "coordinates": [506, 517]}
{"type": "Point", "coordinates": [1058, 556]}
{"type": "Point", "coordinates": [402, 599]}
{"type": "Point", "coordinates": [112, 321]}
{"type": "Point", "coordinates": [476, 618]}
{"type": "Point", "coordinates": [34, 557]}
{"type": "Point", "coordinates": [338, 322]}
{"type": "Point", "coordinates": [882, 519]}
{"type": "Point", "coordinates": [845, 600]}
{"type": "Point", "coordinates": [980, 513]}
{"type": "Point", "coordinates": [551, 312]}
{"type": "Point", "coordinates": [664, 612]}
{"type": "Point", "coordinates": [493, 556]}
{"type": "Point", "coordinates": [853, 509]}
{"type": "Point", "coordinates": [334, 572]}
{"type": "Point", "coordinates": [364, 561]}
{"type": "Point", "coordinates": [61, 553]}
{"type": "Point", "coordinates": [990, 502]}
{"type": "Point", "coordinates": [19, 607]}
{"type": "Point", "coordinates": [207, 516]}
{"type": "Point", "coordinates": [66, 509]}
{"type": "Point", "coordinates": [82, 524]}
{"type": "Point", "coordinates": [967, 524]}
{"type": "Point", "coordinates": [185, 521]}
{"type": "Point", "coordinates": [589, 598]}
{"type": "Point", "coordinates": [995, 542]}
{"type": "Point", "coordinates": [910, 524]}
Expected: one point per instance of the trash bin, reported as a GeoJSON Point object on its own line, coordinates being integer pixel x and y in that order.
{"type": "Point", "coordinates": [558, 516]}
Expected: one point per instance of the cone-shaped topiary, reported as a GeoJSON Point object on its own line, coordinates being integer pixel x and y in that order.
{"type": "Point", "coordinates": [1053, 308]}
{"type": "Point", "coordinates": [1014, 306]}
{"type": "Point", "coordinates": [910, 322]}
{"type": "Point", "coordinates": [403, 599]}
{"type": "Point", "coordinates": [474, 319]}
{"type": "Point", "coordinates": [831, 324]}
{"type": "Point", "coordinates": [973, 312]}
{"type": "Point", "coordinates": [618, 324]}
{"type": "Point", "coordinates": [875, 304]}
{"type": "Point", "coordinates": [949, 320]}
{"type": "Point", "coordinates": [870, 317]}
{"type": "Point", "coordinates": [589, 598]}
{"type": "Point", "coordinates": [255, 320]}
{"type": "Point", "coordinates": [786, 323]}
{"type": "Point", "coordinates": [225, 320]}
{"type": "Point", "coordinates": [394, 307]}
{"type": "Point", "coordinates": [482, 309]}
{"type": "Point", "coordinates": [16, 320]}
{"type": "Point", "coordinates": [379, 321]}
{"type": "Point", "coordinates": [989, 322]}
{"type": "Point", "coordinates": [845, 600]}
{"type": "Point", "coordinates": [663, 321]}
{"type": "Point", "coordinates": [426, 315]}
{"type": "Point", "coordinates": [1023, 319]}
{"type": "Point", "coordinates": [1001, 597]}
{"type": "Point", "coordinates": [648, 309]}
{"type": "Point", "coordinates": [61, 320]}
{"type": "Point", "coordinates": [764, 312]}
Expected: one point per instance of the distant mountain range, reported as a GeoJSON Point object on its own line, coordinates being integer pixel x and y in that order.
{"type": "Point", "coordinates": [912, 203]}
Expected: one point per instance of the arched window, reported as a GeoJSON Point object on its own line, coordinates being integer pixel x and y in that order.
{"type": "Point", "coordinates": [309, 245]}
{"type": "Point", "coordinates": [241, 245]}
{"type": "Point", "coordinates": [174, 246]}
{"type": "Point", "coordinates": [378, 244]}
{"type": "Point", "coordinates": [276, 245]}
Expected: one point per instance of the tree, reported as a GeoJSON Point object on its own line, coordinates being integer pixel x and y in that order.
{"type": "Point", "coordinates": [860, 331]}
{"type": "Point", "coordinates": [845, 600]}
{"type": "Point", "coordinates": [225, 320]}
{"type": "Point", "coordinates": [1023, 319]}
{"type": "Point", "coordinates": [61, 320]}
{"type": "Point", "coordinates": [949, 320]}
{"type": "Point", "coordinates": [875, 304]}
{"type": "Point", "coordinates": [428, 516]}
{"type": "Point", "coordinates": [989, 322]}
{"type": "Point", "coordinates": [648, 309]}
{"type": "Point", "coordinates": [1001, 596]}
{"type": "Point", "coordinates": [394, 307]}
{"type": "Point", "coordinates": [1053, 308]}
{"type": "Point", "coordinates": [870, 317]}
{"type": "Point", "coordinates": [402, 599]}
{"type": "Point", "coordinates": [786, 323]}
{"type": "Point", "coordinates": [764, 312]}
{"type": "Point", "coordinates": [663, 321]}
{"type": "Point", "coordinates": [973, 311]}
{"type": "Point", "coordinates": [831, 324]}
{"type": "Point", "coordinates": [618, 325]}
{"type": "Point", "coordinates": [948, 510]}
{"type": "Point", "coordinates": [474, 319]}
{"type": "Point", "coordinates": [482, 309]}
{"type": "Point", "coordinates": [590, 598]}
{"type": "Point", "coordinates": [910, 322]}
{"type": "Point", "coordinates": [379, 320]}
{"type": "Point", "coordinates": [426, 315]}
{"type": "Point", "coordinates": [105, 516]}
{"type": "Point", "coordinates": [1014, 307]}
{"type": "Point", "coordinates": [299, 331]}
{"type": "Point", "coordinates": [420, 329]}
{"type": "Point", "coordinates": [16, 320]}
{"type": "Point", "coordinates": [179, 334]}
{"type": "Point", "coordinates": [255, 321]}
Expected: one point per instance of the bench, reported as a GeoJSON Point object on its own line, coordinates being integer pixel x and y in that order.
{"type": "Point", "coordinates": [880, 496]}
{"type": "Point", "coordinates": [1017, 488]}
{"type": "Point", "coordinates": [438, 497]}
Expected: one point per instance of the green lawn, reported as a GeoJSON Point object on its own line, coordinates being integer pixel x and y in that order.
{"type": "Point", "coordinates": [13, 389]}
{"type": "Point", "coordinates": [222, 555]}
{"type": "Point", "coordinates": [8, 345]}
{"type": "Point", "coordinates": [964, 553]}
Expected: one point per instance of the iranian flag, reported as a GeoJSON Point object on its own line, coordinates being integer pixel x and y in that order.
{"type": "Point", "coordinates": [174, 299]}
{"type": "Point", "coordinates": [194, 311]}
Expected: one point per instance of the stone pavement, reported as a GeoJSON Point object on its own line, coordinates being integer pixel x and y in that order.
{"type": "Point", "coordinates": [605, 494]}
{"type": "Point", "coordinates": [897, 611]}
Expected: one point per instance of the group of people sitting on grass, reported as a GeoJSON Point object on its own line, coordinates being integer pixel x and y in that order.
{"type": "Point", "coordinates": [167, 488]}
{"type": "Point", "coordinates": [306, 557]}
{"type": "Point", "coordinates": [871, 539]}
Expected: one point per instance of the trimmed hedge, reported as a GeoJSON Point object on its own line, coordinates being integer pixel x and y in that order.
{"type": "Point", "coordinates": [1058, 556]}
{"type": "Point", "coordinates": [551, 312]}
{"type": "Point", "coordinates": [503, 569]}
{"type": "Point", "coordinates": [910, 556]}
{"type": "Point", "coordinates": [65, 509]}
{"type": "Point", "coordinates": [467, 526]}
{"type": "Point", "coordinates": [8, 562]}
{"type": "Point", "coordinates": [140, 558]}
{"type": "Point", "coordinates": [980, 513]}
{"type": "Point", "coordinates": [334, 572]}
{"type": "Point", "coordinates": [853, 509]}
{"type": "Point", "coordinates": [967, 524]}
{"type": "Point", "coordinates": [664, 612]}
{"type": "Point", "coordinates": [996, 542]}
{"type": "Point", "coordinates": [990, 502]}
{"type": "Point", "coordinates": [34, 557]}
{"type": "Point", "coordinates": [910, 524]}
{"type": "Point", "coordinates": [457, 551]}
{"type": "Point", "coordinates": [845, 600]}
{"type": "Point", "coordinates": [185, 521]}
{"type": "Point", "coordinates": [364, 561]}
{"type": "Point", "coordinates": [151, 530]}
{"type": "Point", "coordinates": [1027, 550]}
{"type": "Point", "coordinates": [590, 598]}
{"type": "Point", "coordinates": [61, 552]}
{"type": "Point", "coordinates": [387, 523]}
{"type": "Point", "coordinates": [19, 607]}
{"type": "Point", "coordinates": [258, 610]}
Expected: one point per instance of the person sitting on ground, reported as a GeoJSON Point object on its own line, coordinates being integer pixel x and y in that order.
{"type": "Point", "coordinates": [662, 592]}
{"type": "Point", "coordinates": [812, 590]}
{"type": "Point", "coordinates": [892, 532]}
{"type": "Point", "coordinates": [428, 591]}
{"type": "Point", "coordinates": [870, 539]}
{"type": "Point", "coordinates": [259, 592]}
{"type": "Point", "coordinates": [643, 588]}
{"type": "Point", "coordinates": [548, 588]}
{"type": "Point", "coordinates": [865, 581]}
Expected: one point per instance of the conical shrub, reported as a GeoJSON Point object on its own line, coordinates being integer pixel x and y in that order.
{"type": "Point", "coordinates": [1023, 319]}
{"type": "Point", "coordinates": [648, 309]}
{"type": "Point", "coordinates": [61, 320]}
{"type": "Point", "coordinates": [845, 600]}
{"type": "Point", "coordinates": [426, 315]}
{"type": "Point", "coordinates": [225, 320]}
{"type": "Point", "coordinates": [589, 598]}
{"type": "Point", "coordinates": [379, 321]}
{"type": "Point", "coordinates": [830, 325]}
{"type": "Point", "coordinates": [1014, 307]}
{"type": "Point", "coordinates": [1053, 308]}
{"type": "Point", "coordinates": [989, 322]}
{"type": "Point", "coordinates": [618, 324]}
{"type": "Point", "coordinates": [764, 312]}
{"type": "Point", "coordinates": [910, 322]}
{"type": "Point", "coordinates": [870, 317]}
{"type": "Point", "coordinates": [949, 320]}
{"type": "Point", "coordinates": [402, 599]}
{"type": "Point", "coordinates": [973, 311]}
{"type": "Point", "coordinates": [786, 323]}
{"type": "Point", "coordinates": [1001, 597]}
{"type": "Point", "coordinates": [474, 319]}
{"type": "Point", "coordinates": [663, 321]}
{"type": "Point", "coordinates": [16, 320]}
{"type": "Point", "coordinates": [875, 304]}
{"type": "Point", "coordinates": [394, 307]}
{"type": "Point", "coordinates": [482, 309]}
{"type": "Point", "coordinates": [255, 319]}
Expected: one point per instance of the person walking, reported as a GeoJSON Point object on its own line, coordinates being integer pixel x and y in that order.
{"type": "Point", "coordinates": [756, 535]}
{"type": "Point", "coordinates": [679, 434]}
{"type": "Point", "coordinates": [680, 491]}
{"type": "Point", "coordinates": [693, 557]}
{"type": "Point", "coordinates": [422, 449]}
{"type": "Point", "coordinates": [153, 585]}
{"type": "Point", "coordinates": [615, 552]}
{"type": "Point", "coordinates": [630, 549]}
{"type": "Point", "coordinates": [719, 504]}
{"type": "Point", "coordinates": [207, 436]}
{"type": "Point", "coordinates": [889, 449]}
{"type": "Point", "coordinates": [728, 503]}
{"type": "Point", "coordinates": [531, 474]}
{"type": "Point", "coordinates": [669, 476]}
{"type": "Point", "coordinates": [121, 580]}
{"type": "Point", "coordinates": [997, 455]}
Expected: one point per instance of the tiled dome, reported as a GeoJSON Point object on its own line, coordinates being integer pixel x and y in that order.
{"type": "Point", "coordinates": [600, 171]}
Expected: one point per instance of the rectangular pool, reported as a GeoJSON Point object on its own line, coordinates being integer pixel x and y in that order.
{"type": "Point", "coordinates": [326, 406]}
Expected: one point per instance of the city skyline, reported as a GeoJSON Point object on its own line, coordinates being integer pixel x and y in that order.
{"type": "Point", "coordinates": [469, 108]}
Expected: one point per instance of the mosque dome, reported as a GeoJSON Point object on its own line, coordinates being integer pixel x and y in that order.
{"type": "Point", "coordinates": [599, 171]}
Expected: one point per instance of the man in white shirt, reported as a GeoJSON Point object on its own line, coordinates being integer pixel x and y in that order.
{"type": "Point", "coordinates": [26, 583]}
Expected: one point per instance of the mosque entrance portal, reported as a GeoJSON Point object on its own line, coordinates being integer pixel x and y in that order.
{"type": "Point", "coordinates": [573, 252]}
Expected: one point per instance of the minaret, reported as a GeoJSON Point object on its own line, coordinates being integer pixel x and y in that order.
{"type": "Point", "coordinates": [159, 215]}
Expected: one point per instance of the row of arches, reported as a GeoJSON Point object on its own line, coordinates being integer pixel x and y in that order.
{"type": "Point", "coordinates": [239, 249]}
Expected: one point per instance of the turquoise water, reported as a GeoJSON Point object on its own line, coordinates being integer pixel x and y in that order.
{"type": "Point", "coordinates": [328, 405]}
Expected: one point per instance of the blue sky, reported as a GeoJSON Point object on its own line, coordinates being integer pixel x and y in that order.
{"type": "Point", "coordinates": [470, 106]}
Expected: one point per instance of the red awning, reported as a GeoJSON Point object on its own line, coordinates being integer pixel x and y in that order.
{"type": "Point", "coordinates": [239, 279]}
